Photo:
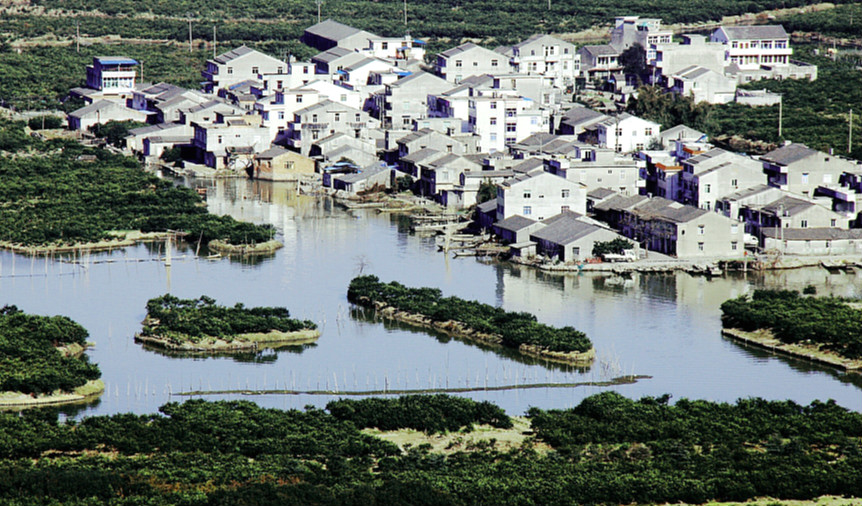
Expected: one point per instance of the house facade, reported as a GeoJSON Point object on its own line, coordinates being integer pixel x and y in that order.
{"type": "Point", "coordinates": [539, 195]}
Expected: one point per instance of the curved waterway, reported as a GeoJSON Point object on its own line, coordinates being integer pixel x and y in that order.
{"type": "Point", "coordinates": [663, 328]}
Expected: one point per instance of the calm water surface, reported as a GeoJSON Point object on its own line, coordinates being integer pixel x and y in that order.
{"type": "Point", "coordinates": [665, 326]}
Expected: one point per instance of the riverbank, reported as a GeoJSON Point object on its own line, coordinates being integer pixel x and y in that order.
{"type": "Point", "coordinates": [765, 339]}
{"type": "Point", "coordinates": [460, 330]}
{"type": "Point", "coordinates": [238, 343]}
{"type": "Point", "coordinates": [84, 393]}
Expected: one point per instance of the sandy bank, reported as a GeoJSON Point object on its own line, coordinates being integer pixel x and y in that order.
{"type": "Point", "coordinates": [240, 343]}
{"type": "Point", "coordinates": [813, 352]}
{"type": "Point", "coordinates": [89, 390]}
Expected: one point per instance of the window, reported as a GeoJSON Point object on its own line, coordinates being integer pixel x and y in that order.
{"type": "Point", "coordinates": [511, 127]}
{"type": "Point", "coordinates": [733, 246]}
{"type": "Point", "coordinates": [493, 105]}
{"type": "Point", "coordinates": [833, 222]}
{"type": "Point", "coordinates": [230, 70]}
{"type": "Point", "coordinates": [280, 114]}
{"type": "Point", "coordinates": [564, 193]}
{"type": "Point", "coordinates": [475, 64]}
{"type": "Point", "coordinates": [305, 70]}
{"type": "Point", "coordinates": [527, 194]}
{"type": "Point", "coordinates": [219, 139]}
{"type": "Point", "coordinates": [619, 132]}
{"type": "Point", "coordinates": [706, 188]}
{"type": "Point", "coordinates": [803, 223]}
{"type": "Point", "coordinates": [337, 116]}
{"type": "Point", "coordinates": [384, 46]}
{"type": "Point", "coordinates": [528, 210]}
{"type": "Point", "coordinates": [493, 121]}
{"type": "Point", "coordinates": [828, 244]}
{"type": "Point", "coordinates": [448, 148]}
{"type": "Point", "coordinates": [279, 70]}
{"type": "Point", "coordinates": [734, 182]}
{"type": "Point", "coordinates": [700, 246]}
{"type": "Point", "coordinates": [700, 229]}
{"type": "Point", "coordinates": [343, 98]}
{"type": "Point", "coordinates": [299, 99]}
{"type": "Point", "coordinates": [254, 70]}
{"type": "Point", "coordinates": [639, 146]}
{"type": "Point", "coordinates": [804, 178]}
{"type": "Point", "coordinates": [564, 209]}
{"type": "Point", "coordinates": [734, 229]}
{"type": "Point", "coordinates": [493, 63]}
{"type": "Point", "coordinates": [647, 131]}
{"type": "Point", "coordinates": [358, 117]}
{"type": "Point", "coordinates": [314, 118]}
{"type": "Point", "coordinates": [458, 64]}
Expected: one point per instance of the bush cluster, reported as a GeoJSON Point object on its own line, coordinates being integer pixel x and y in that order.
{"type": "Point", "coordinates": [828, 321]}
{"type": "Point", "coordinates": [196, 318]}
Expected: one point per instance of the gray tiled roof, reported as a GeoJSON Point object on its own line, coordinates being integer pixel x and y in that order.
{"type": "Point", "coordinates": [789, 206]}
{"type": "Point", "coordinates": [786, 155]}
{"type": "Point", "coordinates": [233, 54]}
{"type": "Point", "coordinates": [332, 30]}
{"type": "Point", "coordinates": [515, 223]}
{"type": "Point", "coordinates": [564, 231]}
{"type": "Point", "coordinates": [755, 32]}
{"type": "Point", "coordinates": [487, 207]}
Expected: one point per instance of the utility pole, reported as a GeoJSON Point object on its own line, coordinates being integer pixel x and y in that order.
{"type": "Point", "coordinates": [850, 133]}
{"type": "Point", "coordinates": [319, 3]}
{"type": "Point", "coordinates": [780, 113]}
{"type": "Point", "coordinates": [77, 36]}
{"type": "Point", "coordinates": [190, 31]}
{"type": "Point", "coordinates": [405, 13]}
{"type": "Point", "coordinates": [215, 42]}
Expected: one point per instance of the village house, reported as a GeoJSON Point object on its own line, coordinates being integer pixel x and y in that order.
{"type": "Point", "coordinates": [568, 237]}
{"type": "Point", "coordinates": [702, 85]}
{"type": "Point", "coordinates": [465, 193]}
{"type": "Point", "coordinates": [672, 228]}
{"type": "Point", "coordinates": [325, 118]}
{"type": "Point", "coordinates": [623, 133]}
{"type": "Point", "coordinates": [732, 204]}
{"type": "Point", "coordinates": [279, 164]}
{"type": "Point", "coordinates": [330, 33]}
{"type": "Point", "coordinates": [110, 78]}
{"type": "Point", "coordinates": [631, 30]}
{"type": "Point", "coordinates": [846, 196]}
{"type": "Point", "coordinates": [441, 174]}
{"type": "Point", "coordinates": [515, 229]}
{"type": "Point", "coordinates": [544, 55]}
{"type": "Point", "coordinates": [372, 176]}
{"type": "Point", "coordinates": [539, 195]}
{"type": "Point", "coordinates": [469, 60]}
{"type": "Point", "coordinates": [212, 111]}
{"type": "Point", "coordinates": [813, 241]}
{"type": "Point", "coordinates": [760, 51]}
{"type": "Point", "coordinates": [599, 61]}
{"type": "Point", "coordinates": [500, 119]}
{"type": "Point", "coordinates": [670, 57]}
{"type": "Point", "coordinates": [577, 119]}
{"type": "Point", "coordinates": [101, 112]}
{"type": "Point", "coordinates": [405, 100]}
{"type": "Point", "coordinates": [789, 212]}
{"type": "Point", "coordinates": [596, 168]}
{"type": "Point", "coordinates": [238, 65]}
{"type": "Point", "coordinates": [231, 144]}
{"type": "Point", "coordinates": [799, 169]}
{"type": "Point", "coordinates": [278, 110]}
{"type": "Point", "coordinates": [708, 177]}
{"type": "Point", "coordinates": [136, 141]}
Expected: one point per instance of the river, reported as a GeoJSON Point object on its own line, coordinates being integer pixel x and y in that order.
{"type": "Point", "coordinates": [664, 326]}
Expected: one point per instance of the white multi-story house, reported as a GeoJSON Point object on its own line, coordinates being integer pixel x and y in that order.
{"type": "Point", "coordinates": [539, 195]}
{"type": "Point", "coordinates": [339, 94]}
{"type": "Point", "coordinates": [538, 88]}
{"type": "Point", "coordinates": [599, 61]}
{"type": "Point", "coordinates": [749, 47]}
{"type": "Point", "coordinates": [800, 169]}
{"type": "Point", "coordinates": [545, 55]}
{"type": "Point", "coordinates": [598, 168]}
{"type": "Point", "coordinates": [623, 133]}
{"type": "Point", "coordinates": [468, 60]}
{"type": "Point", "coordinates": [326, 118]}
{"type": "Point", "coordinates": [670, 58]}
{"type": "Point", "coordinates": [278, 110]}
{"type": "Point", "coordinates": [231, 144]}
{"type": "Point", "coordinates": [709, 177]}
{"type": "Point", "coordinates": [703, 85]}
{"type": "Point", "coordinates": [112, 75]}
{"type": "Point", "coordinates": [631, 30]}
{"type": "Point", "coordinates": [406, 100]}
{"type": "Point", "coordinates": [239, 65]}
{"type": "Point", "coordinates": [500, 119]}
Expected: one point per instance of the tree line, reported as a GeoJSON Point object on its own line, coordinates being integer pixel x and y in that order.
{"type": "Point", "coordinates": [515, 328]}
{"type": "Point", "coordinates": [607, 450]}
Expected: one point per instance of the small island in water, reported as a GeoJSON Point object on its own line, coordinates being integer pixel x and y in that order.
{"type": "Point", "coordinates": [471, 320]}
{"type": "Point", "coordinates": [200, 325]}
{"type": "Point", "coordinates": [822, 329]}
{"type": "Point", "coordinates": [42, 361]}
